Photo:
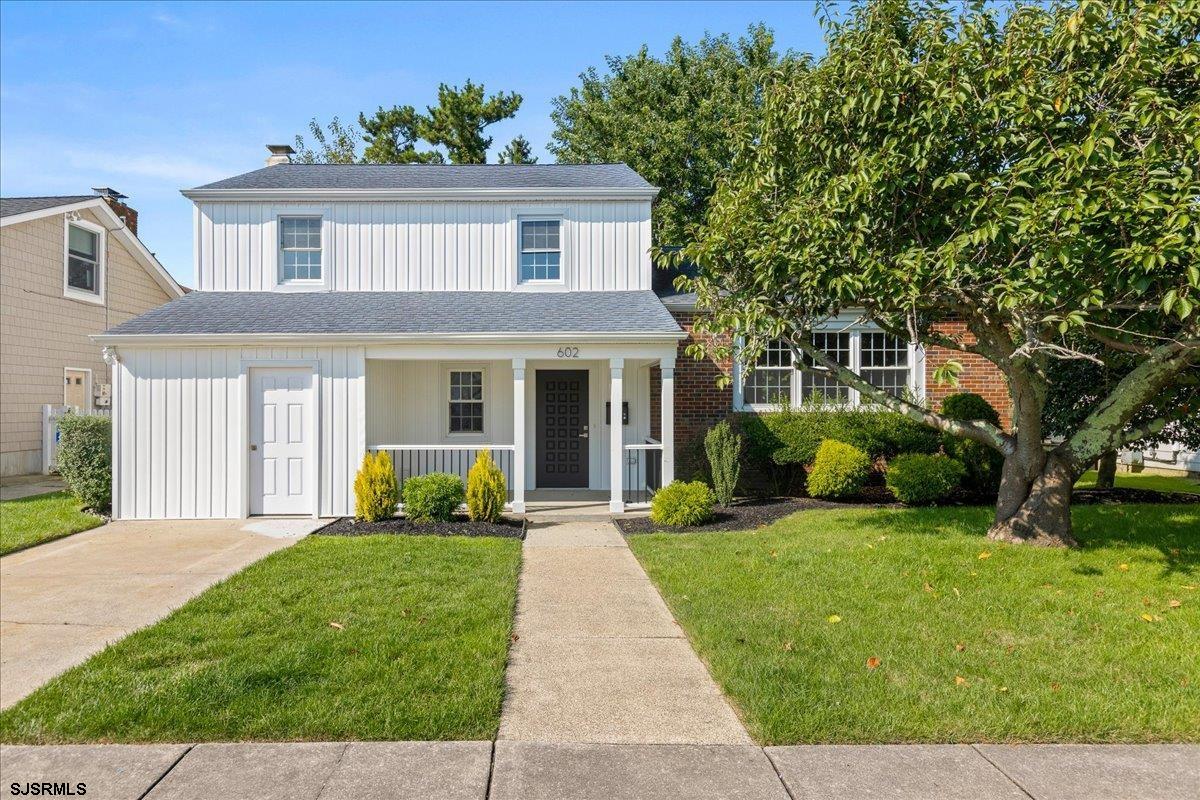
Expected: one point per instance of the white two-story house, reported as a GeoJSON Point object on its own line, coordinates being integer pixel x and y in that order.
{"type": "Point", "coordinates": [427, 311]}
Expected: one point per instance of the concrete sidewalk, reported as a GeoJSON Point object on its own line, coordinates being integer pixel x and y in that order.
{"type": "Point", "coordinates": [534, 771]}
{"type": "Point", "coordinates": [597, 656]}
{"type": "Point", "coordinates": [62, 601]}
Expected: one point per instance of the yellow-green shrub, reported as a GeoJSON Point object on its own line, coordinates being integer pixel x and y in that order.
{"type": "Point", "coordinates": [376, 492]}
{"type": "Point", "coordinates": [486, 490]}
{"type": "Point", "coordinates": [839, 471]}
{"type": "Point", "coordinates": [681, 504]}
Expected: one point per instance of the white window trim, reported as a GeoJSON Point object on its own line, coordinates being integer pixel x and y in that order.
{"type": "Point", "coordinates": [464, 436]}
{"type": "Point", "coordinates": [916, 372]}
{"type": "Point", "coordinates": [303, 285]}
{"type": "Point", "coordinates": [101, 232]}
{"type": "Point", "coordinates": [541, 215]}
{"type": "Point", "coordinates": [87, 392]}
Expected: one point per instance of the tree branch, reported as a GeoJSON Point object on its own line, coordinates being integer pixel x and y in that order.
{"type": "Point", "coordinates": [977, 430]}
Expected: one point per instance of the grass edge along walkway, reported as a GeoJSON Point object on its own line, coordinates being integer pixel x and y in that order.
{"type": "Point", "coordinates": [335, 638]}
{"type": "Point", "coordinates": [883, 626]}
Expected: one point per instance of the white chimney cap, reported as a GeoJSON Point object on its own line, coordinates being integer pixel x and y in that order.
{"type": "Point", "coordinates": [280, 154]}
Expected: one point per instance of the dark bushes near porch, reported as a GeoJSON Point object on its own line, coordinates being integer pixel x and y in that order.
{"type": "Point", "coordinates": [433, 497]}
{"type": "Point", "coordinates": [779, 444]}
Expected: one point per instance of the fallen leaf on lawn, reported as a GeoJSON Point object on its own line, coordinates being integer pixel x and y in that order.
{"type": "Point", "coordinates": [1054, 687]}
{"type": "Point", "coordinates": [1190, 587]}
{"type": "Point", "coordinates": [928, 588]}
{"type": "Point", "coordinates": [1004, 688]}
{"type": "Point", "coordinates": [870, 546]}
{"type": "Point", "coordinates": [833, 619]}
{"type": "Point", "coordinates": [1099, 593]}
{"type": "Point", "coordinates": [515, 637]}
{"type": "Point", "coordinates": [1174, 603]}
{"type": "Point", "coordinates": [1123, 567]}
{"type": "Point", "coordinates": [1146, 601]}
{"type": "Point", "coordinates": [787, 647]}
{"type": "Point", "coordinates": [983, 555]}
{"type": "Point", "coordinates": [1151, 617]}
{"type": "Point", "coordinates": [958, 648]}
{"type": "Point", "coordinates": [1174, 551]}
{"type": "Point", "coordinates": [337, 625]}
{"type": "Point", "coordinates": [957, 593]}
{"type": "Point", "coordinates": [873, 662]}
{"type": "Point", "coordinates": [959, 680]}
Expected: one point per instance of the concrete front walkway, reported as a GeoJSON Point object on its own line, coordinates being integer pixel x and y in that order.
{"type": "Point", "coordinates": [65, 600]}
{"type": "Point", "coordinates": [597, 656]}
{"type": "Point", "coordinates": [533, 771]}
{"type": "Point", "coordinates": [19, 486]}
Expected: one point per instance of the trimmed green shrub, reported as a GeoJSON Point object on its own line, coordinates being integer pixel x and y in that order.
{"type": "Point", "coordinates": [968, 405]}
{"type": "Point", "coordinates": [679, 504]}
{"type": "Point", "coordinates": [920, 480]}
{"type": "Point", "coordinates": [780, 443]}
{"type": "Point", "coordinates": [85, 459]}
{"type": "Point", "coordinates": [486, 490]}
{"type": "Point", "coordinates": [839, 471]}
{"type": "Point", "coordinates": [724, 450]}
{"type": "Point", "coordinates": [433, 497]}
{"type": "Point", "coordinates": [376, 492]}
{"type": "Point", "coordinates": [983, 463]}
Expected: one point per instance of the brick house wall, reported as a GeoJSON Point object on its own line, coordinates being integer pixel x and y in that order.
{"type": "Point", "coordinates": [699, 404]}
{"type": "Point", "coordinates": [42, 332]}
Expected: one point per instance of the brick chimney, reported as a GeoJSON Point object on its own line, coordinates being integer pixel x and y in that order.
{"type": "Point", "coordinates": [280, 154]}
{"type": "Point", "coordinates": [114, 200]}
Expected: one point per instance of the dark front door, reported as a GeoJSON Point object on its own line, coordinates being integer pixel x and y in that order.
{"type": "Point", "coordinates": [562, 429]}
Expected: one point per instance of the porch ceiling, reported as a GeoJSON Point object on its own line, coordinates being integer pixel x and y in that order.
{"type": "Point", "coordinates": [377, 314]}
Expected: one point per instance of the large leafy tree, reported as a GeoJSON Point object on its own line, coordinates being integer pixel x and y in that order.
{"type": "Point", "coordinates": [394, 135]}
{"type": "Point", "coordinates": [1031, 173]}
{"type": "Point", "coordinates": [671, 118]}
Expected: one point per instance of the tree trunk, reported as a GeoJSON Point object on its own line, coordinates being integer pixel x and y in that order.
{"type": "Point", "coordinates": [1035, 509]}
{"type": "Point", "coordinates": [1106, 470]}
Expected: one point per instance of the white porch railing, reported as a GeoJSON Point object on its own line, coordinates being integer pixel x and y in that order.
{"type": "Point", "coordinates": [413, 460]}
{"type": "Point", "coordinates": [642, 472]}
{"type": "Point", "coordinates": [51, 414]}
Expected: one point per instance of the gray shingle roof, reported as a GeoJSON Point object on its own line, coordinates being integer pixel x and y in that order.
{"type": "Point", "coordinates": [11, 206]}
{"type": "Point", "coordinates": [436, 176]}
{"type": "Point", "coordinates": [405, 313]}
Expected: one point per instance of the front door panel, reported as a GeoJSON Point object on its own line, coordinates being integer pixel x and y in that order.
{"type": "Point", "coordinates": [281, 440]}
{"type": "Point", "coordinates": [562, 429]}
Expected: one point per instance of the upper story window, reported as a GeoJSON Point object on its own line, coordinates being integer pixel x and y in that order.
{"type": "Point", "coordinates": [541, 250]}
{"type": "Point", "coordinates": [466, 401]}
{"type": "Point", "coordinates": [83, 269]}
{"type": "Point", "coordinates": [882, 359]}
{"type": "Point", "coordinates": [299, 249]}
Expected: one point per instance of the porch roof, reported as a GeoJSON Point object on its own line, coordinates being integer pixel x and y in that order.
{"type": "Point", "coordinates": [379, 314]}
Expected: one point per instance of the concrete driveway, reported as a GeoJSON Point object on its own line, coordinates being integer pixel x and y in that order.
{"type": "Point", "coordinates": [64, 601]}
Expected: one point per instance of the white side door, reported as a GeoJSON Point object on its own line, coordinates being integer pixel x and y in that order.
{"type": "Point", "coordinates": [281, 441]}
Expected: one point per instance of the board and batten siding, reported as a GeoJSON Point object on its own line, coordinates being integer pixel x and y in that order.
{"type": "Point", "coordinates": [180, 430]}
{"type": "Point", "coordinates": [424, 246]}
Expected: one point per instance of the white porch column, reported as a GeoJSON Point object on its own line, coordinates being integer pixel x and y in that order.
{"type": "Point", "coordinates": [616, 434]}
{"type": "Point", "coordinates": [667, 426]}
{"type": "Point", "coordinates": [518, 487]}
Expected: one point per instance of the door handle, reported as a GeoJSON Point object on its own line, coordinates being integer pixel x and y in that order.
{"type": "Point", "coordinates": [583, 435]}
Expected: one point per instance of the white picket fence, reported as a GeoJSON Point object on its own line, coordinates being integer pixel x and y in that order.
{"type": "Point", "coordinates": [50, 416]}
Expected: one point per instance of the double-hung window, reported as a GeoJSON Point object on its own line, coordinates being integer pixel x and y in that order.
{"type": "Point", "coordinates": [541, 250]}
{"type": "Point", "coordinates": [880, 358]}
{"type": "Point", "coordinates": [299, 249]}
{"type": "Point", "coordinates": [466, 401]}
{"type": "Point", "coordinates": [84, 268]}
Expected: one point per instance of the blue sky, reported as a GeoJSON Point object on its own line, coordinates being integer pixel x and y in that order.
{"type": "Point", "coordinates": [150, 98]}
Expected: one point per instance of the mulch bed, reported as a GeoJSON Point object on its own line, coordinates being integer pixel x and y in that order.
{"type": "Point", "coordinates": [1118, 495]}
{"type": "Point", "coordinates": [754, 513]}
{"type": "Point", "coordinates": [398, 526]}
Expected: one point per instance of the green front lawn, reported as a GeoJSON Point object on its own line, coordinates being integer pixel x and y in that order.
{"type": "Point", "coordinates": [974, 641]}
{"type": "Point", "coordinates": [335, 638]}
{"type": "Point", "coordinates": [1140, 480]}
{"type": "Point", "coordinates": [41, 518]}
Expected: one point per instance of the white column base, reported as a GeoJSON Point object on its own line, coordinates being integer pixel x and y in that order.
{"type": "Point", "coordinates": [516, 508]}
{"type": "Point", "coordinates": [616, 436]}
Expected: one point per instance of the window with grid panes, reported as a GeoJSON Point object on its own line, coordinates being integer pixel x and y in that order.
{"type": "Point", "coordinates": [884, 362]}
{"type": "Point", "coordinates": [816, 383]}
{"type": "Point", "coordinates": [299, 249]}
{"type": "Point", "coordinates": [541, 250]}
{"type": "Point", "coordinates": [466, 401]}
{"type": "Point", "coordinates": [771, 381]}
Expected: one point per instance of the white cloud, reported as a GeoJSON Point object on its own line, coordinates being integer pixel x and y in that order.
{"type": "Point", "coordinates": [178, 170]}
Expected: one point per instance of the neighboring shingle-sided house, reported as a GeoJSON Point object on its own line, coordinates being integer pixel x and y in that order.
{"type": "Point", "coordinates": [70, 267]}
{"type": "Point", "coordinates": [429, 312]}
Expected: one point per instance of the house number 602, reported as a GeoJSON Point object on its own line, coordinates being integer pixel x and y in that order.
{"type": "Point", "coordinates": [568, 352]}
